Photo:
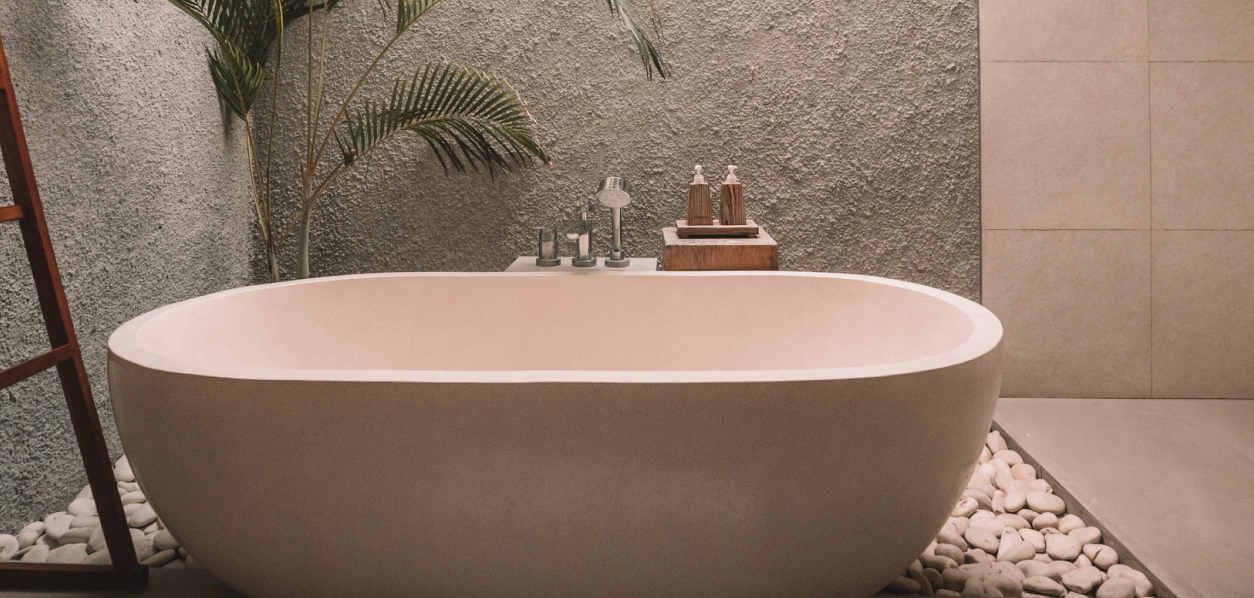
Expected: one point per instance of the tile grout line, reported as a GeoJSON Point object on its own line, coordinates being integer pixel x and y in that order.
{"type": "Point", "coordinates": [979, 154]}
{"type": "Point", "coordinates": [1149, 118]}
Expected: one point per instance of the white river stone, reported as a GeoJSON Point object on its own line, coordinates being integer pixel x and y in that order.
{"type": "Point", "coordinates": [982, 538]}
{"type": "Point", "coordinates": [37, 554]}
{"type": "Point", "coordinates": [82, 506]}
{"type": "Point", "coordinates": [57, 523]}
{"type": "Point", "coordinates": [76, 535]}
{"type": "Point", "coordinates": [995, 442]}
{"type": "Point", "coordinates": [143, 516]}
{"type": "Point", "coordinates": [1082, 580]}
{"type": "Point", "coordinates": [25, 539]}
{"type": "Point", "coordinates": [1062, 547]}
{"type": "Point", "coordinates": [1106, 557]}
{"type": "Point", "coordinates": [1046, 503]}
{"type": "Point", "coordinates": [1086, 535]}
{"type": "Point", "coordinates": [950, 535]}
{"type": "Point", "coordinates": [69, 555]}
{"type": "Point", "coordinates": [976, 555]}
{"type": "Point", "coordinates": [1044, 585]}
{"type": "Point", "coordinates": [164, 540]}
{"type": "Point", "coordinates": [1003, 585]}
{"type": "Point", "coordinates": [1033, 537]}
{"type": "Point", "coordinates": [903, 585]}
{"type": "Point", "coordinates": [1024, 472]}
{"type": "Point", "coordinates": [1035, 568]}
{"type": "Point", "coordinates": [965, 508]}
{"type": "Point", "coordinates": [122, 470]}
{"type": "Point", "coordinates": [100, 557]}
{"type": "Point", "coordinates": [1014, 549]}
{"type": "Point", "coordinates": [1070, 522]}
{"type": "Point", "coordinates": [133, 497]}
{"type": "Point", "coordinates": [1015, 501]}
{"type": "Point", "coordinates": [160, 558]}
{"type": "Point", "coordinates": [1119, 587]}
{"type": "Point", "coordinates": [9, 546]}
{"type": "Point", "coordinates": [951, 552]}
{"type": "Point", "coordinates": [1010, 457]}
{"type": "Point", "coordinates": [96, 542]}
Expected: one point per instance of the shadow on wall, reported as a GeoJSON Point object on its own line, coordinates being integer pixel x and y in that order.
{"type": "Point", "coordinates": [146, 201]}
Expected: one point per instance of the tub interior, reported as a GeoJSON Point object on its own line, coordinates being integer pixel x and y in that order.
{"type": "Point", "coordinates": [544, 322]}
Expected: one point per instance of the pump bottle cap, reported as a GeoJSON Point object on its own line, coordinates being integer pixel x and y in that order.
{"type": "Point", "coordinates": [731, 176]}
{"type": "Point", "coordinates": [698, 180]}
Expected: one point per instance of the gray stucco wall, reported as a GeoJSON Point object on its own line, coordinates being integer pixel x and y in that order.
{"type": "Point", "coordinates": [146, 200]}
{"type": "Point", "coordinates": [855, 126]}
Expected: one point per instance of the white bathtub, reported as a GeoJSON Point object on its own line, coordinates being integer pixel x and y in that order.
{"type": "Point", "coordinates": [540, 435]}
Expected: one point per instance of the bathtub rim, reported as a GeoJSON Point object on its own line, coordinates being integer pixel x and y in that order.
{"type": "Point", "coordinates": [985, 337]}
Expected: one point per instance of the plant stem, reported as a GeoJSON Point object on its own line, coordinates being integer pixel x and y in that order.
{"type": "Point", "coordinates": [260, 204]}
{"type": "Point", "coordinates": [302, 242]}
{"type": "Point", "coordinates": [351, 94]}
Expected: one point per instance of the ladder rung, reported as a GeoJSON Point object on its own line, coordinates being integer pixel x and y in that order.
{"type": "Point", "coordinates": [34, 365]}
{"type": "Point", "coordinates": [8, 213]}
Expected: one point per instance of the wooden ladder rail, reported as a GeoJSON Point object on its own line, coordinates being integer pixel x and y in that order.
{"type": "Point", "coordinates": [125, 573]}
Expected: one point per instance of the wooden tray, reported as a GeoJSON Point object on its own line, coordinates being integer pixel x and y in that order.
{"type": "Point", "coordinates": [748, 229]}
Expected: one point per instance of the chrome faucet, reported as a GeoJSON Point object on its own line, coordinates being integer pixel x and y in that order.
{"type": "Point", "coordinates": [582, 237]}
{"type": "Point", "coordinates": [612, 193]}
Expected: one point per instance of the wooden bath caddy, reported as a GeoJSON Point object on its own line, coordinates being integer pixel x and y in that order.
{"type": "Point", "coordinates": [748, 229]}
{"type": "Point", "coordinates": [712, 253]}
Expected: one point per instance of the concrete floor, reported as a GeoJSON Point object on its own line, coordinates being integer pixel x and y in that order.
{"type": "Point", "coordinates": [1173, 480]}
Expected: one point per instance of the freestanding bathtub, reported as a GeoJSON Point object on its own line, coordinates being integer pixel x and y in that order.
{"type": "Point", "coordinates": [545, 435]}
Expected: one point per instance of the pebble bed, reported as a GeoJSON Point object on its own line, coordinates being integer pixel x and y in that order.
{"type": "Point", "coordinates": [1009, 535]}
{"type": "Point", "coordinates": [74, 536]}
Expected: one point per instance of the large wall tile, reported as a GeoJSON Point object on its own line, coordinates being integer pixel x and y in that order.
{"type": "Point", "coordinates": [1044, 30]}
{"type": "Point", "coordinates": [1076, 311]}
{"type": "Point", "coordinates": [1065, 145]}
{"type": "Point", "coordinates": [1201, 29]}
{"type": "Point", "coordinates": [1203, 138]}
{"type": "Point", "coordinates": [1204, 314]}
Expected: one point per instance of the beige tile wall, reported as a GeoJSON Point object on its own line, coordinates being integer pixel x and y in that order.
{"type": "Point", "coordinates": [1118, 195]}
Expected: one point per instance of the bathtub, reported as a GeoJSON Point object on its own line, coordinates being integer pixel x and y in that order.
{"type": "Point", "coordinates": [543, 435]}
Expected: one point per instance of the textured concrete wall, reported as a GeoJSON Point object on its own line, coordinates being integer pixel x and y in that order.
{"type": "Point", "coordinates": [855, 125]}
{"type": "Point", "coordinates": [146, 200]}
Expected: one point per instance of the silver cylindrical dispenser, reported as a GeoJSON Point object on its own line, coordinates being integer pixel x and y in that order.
{"type": "Point", "coordinates": [547, 255]}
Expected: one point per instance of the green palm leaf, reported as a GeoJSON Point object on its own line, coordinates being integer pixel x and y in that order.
{"type": "Point", "coordinates": [408, 11]}
{"type": "Point", "coordinates": [237, 78]}
{"type": "Point", "coordinates": [244, 31]}
{"type": "Point", "coordinates": [467, 117]}
{"type": "Point", "coordinates": [649, 54]}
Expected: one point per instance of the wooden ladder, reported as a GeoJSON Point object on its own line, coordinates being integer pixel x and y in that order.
{"type": "Point", "coordinates": [125, 573]}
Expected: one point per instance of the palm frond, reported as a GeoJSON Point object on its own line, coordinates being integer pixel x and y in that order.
{"type": "Point", "coordinates": [244, 31]}
{"type": "Point", "coordinates": [294, 9]}
{"type": "Point", "coordinates": [469, 119]}
{"type": "Point", "coordinates": [237, 79]}
{"type": "Point", "coordinates": [649, 54]}
{"type": "Point", "coordinates": [408, 11]}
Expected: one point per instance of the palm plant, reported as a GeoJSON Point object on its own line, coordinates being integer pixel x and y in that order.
{"type": "Point", "coordinates": [469, 118]}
